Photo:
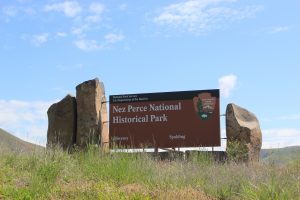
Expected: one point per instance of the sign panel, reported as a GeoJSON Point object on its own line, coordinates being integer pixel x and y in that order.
{"type": "Point", "coordinates": [165, 120]}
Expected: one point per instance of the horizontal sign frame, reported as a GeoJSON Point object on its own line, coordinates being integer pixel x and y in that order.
{"type": "Point", "coordinates": [165, 120]}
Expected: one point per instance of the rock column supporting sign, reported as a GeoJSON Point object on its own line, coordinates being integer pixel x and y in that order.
{"type": "Point", "coordinates": [88, 95]}
{"type": "Point", "coordinates": [62, 123]}
{"type": "Point", "coordinates": [243, 127]}
{"type": "Point", "coordinates": [82, 120]}
{"type": "Point", "coordinates": [104, 120]}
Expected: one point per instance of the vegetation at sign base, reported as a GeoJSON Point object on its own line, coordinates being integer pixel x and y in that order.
{"type": "Point", "coordinates": [92, 175]}
{"type": "Point", "coordinates": [237, 151]}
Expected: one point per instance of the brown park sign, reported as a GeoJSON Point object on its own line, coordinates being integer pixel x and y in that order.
{"type": "Point", "coordinates": [165, 120]}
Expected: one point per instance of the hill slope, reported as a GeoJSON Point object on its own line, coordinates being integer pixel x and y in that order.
{"type": "Point", "coordinates": [10, 143]}
{"type": "Point", "coordinates": [281, 155]}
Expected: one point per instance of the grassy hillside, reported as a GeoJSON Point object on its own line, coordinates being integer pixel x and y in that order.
{"type": "Point", "coordinates": [10, 143]}
{"type": "Point", "coordinates": [281, 156]}
{"type": "Point", "coordinates": [93, 175]}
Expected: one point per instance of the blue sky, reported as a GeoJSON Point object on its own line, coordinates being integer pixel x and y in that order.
{"type": "Point", "coordinates": [248, 49]}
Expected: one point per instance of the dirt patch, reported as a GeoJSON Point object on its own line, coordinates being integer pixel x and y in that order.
{"type": "Point", "coordinates": [183, 194]}
{"type": "Point", "coordinates": [76, 185]}
{"type": "Point", "coordinates": [133, 188]}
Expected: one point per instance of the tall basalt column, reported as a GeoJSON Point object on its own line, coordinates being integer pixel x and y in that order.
{"type": "Point", "coordinates": [242, 127]}
{"type": "Point", "coordinates": [104, 120]}
{"type": "Point", "coordinates": [62, 123]}
{"type": "Point", "coordinates": [89, 102]}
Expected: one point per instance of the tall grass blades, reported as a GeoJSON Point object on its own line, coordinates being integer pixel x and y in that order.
{"type": "Point", "coordinates": [92, 174]}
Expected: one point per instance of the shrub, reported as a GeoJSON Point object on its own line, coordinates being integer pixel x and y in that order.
{"type": "Point", "coordinates": [237, 151]}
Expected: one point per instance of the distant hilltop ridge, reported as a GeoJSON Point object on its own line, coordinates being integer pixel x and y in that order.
{"type": "Point", "coordinates": [10, 143]}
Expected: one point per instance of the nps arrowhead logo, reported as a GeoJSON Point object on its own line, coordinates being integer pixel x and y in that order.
{"type": "Point", "coordinates": [204, 105]}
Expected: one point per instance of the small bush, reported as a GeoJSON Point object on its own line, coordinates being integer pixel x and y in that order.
{"type": "Point", "coordinates": [237, 151]}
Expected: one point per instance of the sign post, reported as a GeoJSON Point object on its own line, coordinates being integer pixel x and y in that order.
{"type": "Point", "coordinates": [165, 120]}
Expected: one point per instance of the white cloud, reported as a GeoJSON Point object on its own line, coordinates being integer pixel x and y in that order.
{"type": "Point", "coordinates": [61, 34]}
{"type": "Point", "coordinates": [26, 119]}
{"type": "Point", "coordinates": [287, 132]}
{"type": "Point", "coordinates": [123, 7]}
{"type": "Point", "coordinates": [13, 111]}
{"type": "Point", "coordinates": [113, 38]}
{"type": "Point", "coordinates": [82, 25]}
{"type": "Point", "coordinates": [69, 8]}
{"type": "Point", "coordinates": [79, 31]}
{"type": "Point", "coordinates": [93, 18]}
{"type": "Point", "coordinates": [198, 16]}
{"type": "Point", "coordinates": [282, 118]}
{"type": "Point", "coordinates": [37, 130]}
{"type": "Point", "coordinates": [13, 11]}
{"type": "Point", "coordinates": [84, 22]}
{"type": "Point", "coordinates": [29, 11]}
{"type": "Point", "coordinates": [96, 8]}
{"type": "Point", "coordinates": [227, 84]}
{"type": "Point", "coordinates": [88, 45]}
{"type": "Point", "coordinates": [280, 29]}
{"type": "Point", "coordinates": [92, 45]}
{"type": "Point", "coordinates": [290, 117]}
{"type": "Point", "coordinates": [277, 138]}
{"type": "Point", "coordinates": [10, 11]}
{"type": "Point", "coordinates": [40, 39]}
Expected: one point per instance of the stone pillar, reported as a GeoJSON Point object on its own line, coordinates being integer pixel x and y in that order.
{"type": "Point", "coordinates": [62, 123]}
{"type": "Point", "coordinates": [242, 129]}
{"type": "Point", "coordinates": [104, 121]}
{"type": "Point", "coordinates": [90, 95]}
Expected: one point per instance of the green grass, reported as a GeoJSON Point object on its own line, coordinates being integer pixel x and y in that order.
{"type": "Point", "coordinates": [281, 155]}
{"type": "Point", "coordinates": [93, 175]}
